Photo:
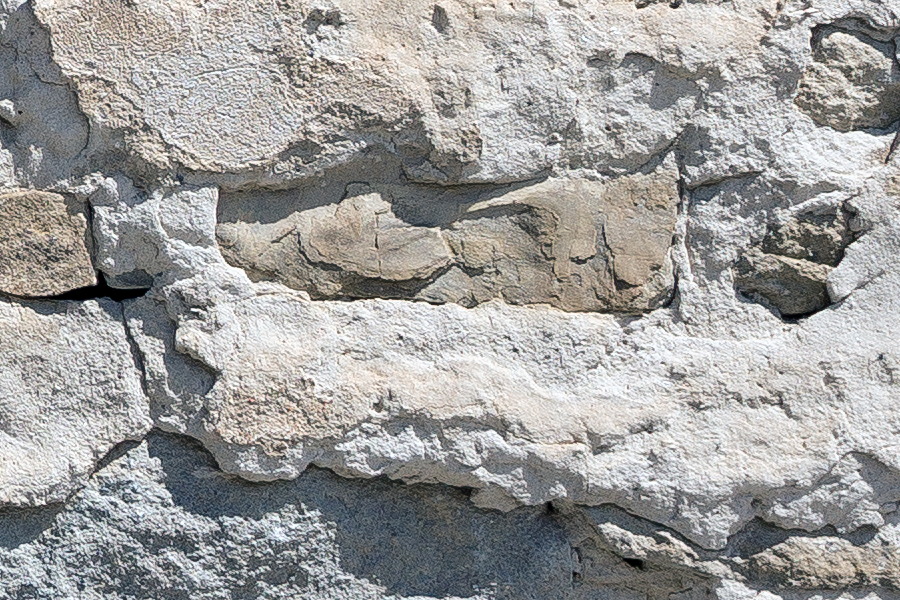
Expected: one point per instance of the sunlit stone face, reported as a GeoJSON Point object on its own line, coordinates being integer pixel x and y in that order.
{"type": "Point", "coordinates": [616, 280]}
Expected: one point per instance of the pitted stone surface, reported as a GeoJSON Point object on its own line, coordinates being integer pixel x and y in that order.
{"type": "Point", "coordinates": [853, 81]}
{"type": "Point", "coordinates": [161, 520]}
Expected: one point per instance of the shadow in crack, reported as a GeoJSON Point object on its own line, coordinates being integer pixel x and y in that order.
{"type": "Point", "coordinates": [24, 525]}
{"type": "Point", "coordinates": [758, 536]}
{"type": "Point", "coordinates": [94, 292]}
{"type": "Point", "coordinates": [412, 540]}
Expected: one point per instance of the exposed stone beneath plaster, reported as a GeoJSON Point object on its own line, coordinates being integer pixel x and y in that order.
{"type": "Point", "coordinates": [46, 247]}
{"type": "Point", "coordinates": [592, 299]}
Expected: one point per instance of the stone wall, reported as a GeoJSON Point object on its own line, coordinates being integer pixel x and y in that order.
{"type": "Point", "coordinates": [544, 299]}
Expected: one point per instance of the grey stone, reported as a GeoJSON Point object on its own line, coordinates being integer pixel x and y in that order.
{"type": "Point", "coordinates": [70, 390]}
{"type": "Point", "coordinates": [160, 520]}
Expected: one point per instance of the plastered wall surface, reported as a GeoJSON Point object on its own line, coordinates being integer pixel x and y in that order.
{"type": "Point", "coordinates": [551, 299]}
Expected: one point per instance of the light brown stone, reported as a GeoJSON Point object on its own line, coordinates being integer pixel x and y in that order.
{"type": "Point", "coordinates": [577, 244]}
{"type": "Point", "coordinates": [793, 286]}
{"type": "Point", "coordinates": [45, 247]}
{"type": "Point", "coordinates": [790, 268]}
{"type": "Point", "coordinates": [853, 82]}
{"type": "Point", "coordinates": [828, 563]}
{"type": "Point", "coordinates": [362, 236]}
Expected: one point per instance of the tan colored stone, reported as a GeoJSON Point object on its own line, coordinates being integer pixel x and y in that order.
{"type": "Point", "coordinates": [793, 286]}
{"type": "Point", "coordinates": [853, 82]}
{"type": "Point", "coordinates": [577, 244]}
{"type": "Point", "coordinates": [818, 236]}
{"type": "Point", "coordinates": [640, 223]}
{"type": "Point", "coordinates": [361, 235]}
{"type": "Point", "coordinates": [790, 268]}
{"type": "Point", "coordinates": [278, 406]}
{"type": "Point", "coordinates": [45, 248]}
{"type": "Point", "coordinates": [828, 563]}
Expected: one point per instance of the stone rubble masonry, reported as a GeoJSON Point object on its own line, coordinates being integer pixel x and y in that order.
{"type": "Point", "coordinates": [394, 299]}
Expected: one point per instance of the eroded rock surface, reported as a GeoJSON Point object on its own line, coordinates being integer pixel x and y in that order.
{"type": "Point", "coordinates": [854, 80]}
{"type": "Point", "coordinates": [617, 280]}
{"type": "Point", "coordinates": [790, 270]}
{"type": "Point", "coordinates": [830, 563]}
{"type": "Point", "coordinates": [284, 91]}
{"type": "Point", "coordinates": [162, 520]}
{"type": "Point", "coordinates": [69, 391]}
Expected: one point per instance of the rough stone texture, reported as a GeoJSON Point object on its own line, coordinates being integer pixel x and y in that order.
{"type": "Point", "coordinates": [853, 82]}
{"type": "Point", "coordinates": [45, 249]}
{"type": "Point", "coordinates": [159, 518]}
{"type": "Point", "coordinates": [794, 287]}
{"type": "Point", "coordinates": [69, 392]}
{"type": "Point", "coordinates": [282, 91]}
{"type": "Point", "coordinates": [163, 521]}
{"type": "Point", "coordinates": [617, 281]}
{"type": "Point", "coordinates": [830, 563]}
{"type": "Point", "coordinates": [790, 272]}
{"type": "Point", "coordinates": [576, 244]}
{"type": "Point", "coordinates": [362, 237]}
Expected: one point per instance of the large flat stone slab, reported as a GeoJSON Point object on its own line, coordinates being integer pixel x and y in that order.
{"type": "Point", "coordinates": [70, 391]}
{"type": "Point", "coordinates": [575, 244]}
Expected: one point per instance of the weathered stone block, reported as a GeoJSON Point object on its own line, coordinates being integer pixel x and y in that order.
{"type": "Point", "coordinates": [45, 250]}
{"type": "Point", "coordinates": [790, 269]}
{"type": "Point", "coordinates": [793, 286]}
{"type": "Point", "coordinates": [576, 244]}
{"type": "Point", "coordinates": [69, 392]}
{"type": "Point", "coordinates": [853, 82]}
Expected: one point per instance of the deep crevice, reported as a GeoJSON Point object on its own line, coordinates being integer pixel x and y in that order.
{"type": "Point", "coordinates": [138, 357]}
{"type": "Point", "coordinates": [94, 292]}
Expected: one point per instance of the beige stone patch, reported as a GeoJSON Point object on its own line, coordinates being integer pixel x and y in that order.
{"type": "Point", "coordinates": [790, 269]}
{"type": "Point", "coordinates": [576, 244]}
{"type": "Point", "coordinates": [45, 247]}
{"type": "Point", "coordinates": [853, 83]}
{"type": "Point", "coordinates": [829, 563]}
{"type": "Point", "coordinates": [277, 408]}
{"type": "Point", "coordinates": [361, 235]}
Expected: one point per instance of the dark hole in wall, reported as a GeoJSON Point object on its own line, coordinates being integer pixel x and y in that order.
{"type": "Point", "coordinates": [101, 290]}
